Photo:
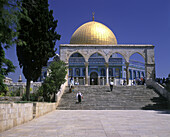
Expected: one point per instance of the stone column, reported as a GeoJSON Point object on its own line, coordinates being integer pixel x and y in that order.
{"type": "Point", "coordinates": [127, 72]}
{"type": "Point", "coordinates": [86, 77]}
{"type": "Point", "coordinates": [150, 63]}
{"type": "Point", "coordinates": [103, 80]}
{"type": "Point", "coordinates": [98, 80]}
{"type": "Point", "coordinates": [107, 73]}
{"type": "Point", "coordinates": [150, 71]}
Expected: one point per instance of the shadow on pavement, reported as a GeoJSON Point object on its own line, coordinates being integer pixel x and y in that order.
{"type": "Point", "coordinates": [160, 104]}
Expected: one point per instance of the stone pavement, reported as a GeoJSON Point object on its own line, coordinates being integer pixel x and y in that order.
{"type": "Point", "coordinates": [96, 123]}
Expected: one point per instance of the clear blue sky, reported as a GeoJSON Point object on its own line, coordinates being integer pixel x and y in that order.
{"type": "Point", "coordinates": [132, 21]}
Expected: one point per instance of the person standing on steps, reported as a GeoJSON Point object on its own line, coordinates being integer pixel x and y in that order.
{"type": "Point", "coordinates": [111, 85]}
{"type": "Point", "coordinates": [79, 97]}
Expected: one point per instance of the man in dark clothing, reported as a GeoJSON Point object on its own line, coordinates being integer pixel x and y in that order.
{"type": "Point", "coordinates": [79, 96]}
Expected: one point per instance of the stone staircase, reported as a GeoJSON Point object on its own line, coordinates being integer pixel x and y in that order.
{"type": "Point", "coordinates": [121, 98]}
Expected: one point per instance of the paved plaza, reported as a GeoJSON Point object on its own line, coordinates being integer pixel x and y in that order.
{"type": "Point", "coordinates": [96, 123]}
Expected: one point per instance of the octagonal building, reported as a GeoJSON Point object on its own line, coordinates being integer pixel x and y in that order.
{"type": "Point", "coordinates": [94, 57]}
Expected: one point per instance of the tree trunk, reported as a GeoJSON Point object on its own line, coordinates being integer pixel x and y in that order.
{"type": "Point", "coordinates": [54, 97]}
{"type": "Point", "coordinates": [28, 90]}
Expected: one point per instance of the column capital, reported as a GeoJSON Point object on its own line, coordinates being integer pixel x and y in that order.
{"type": "Point", "coordinates": [106, 64]}
{"type": "Point", "coordinates": [86, 64]}
{"type": "Point", "coordinates": [127, 64]}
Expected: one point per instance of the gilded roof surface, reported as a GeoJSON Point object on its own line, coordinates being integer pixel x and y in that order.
{"type": "Point", "coordinates": [93, 33]}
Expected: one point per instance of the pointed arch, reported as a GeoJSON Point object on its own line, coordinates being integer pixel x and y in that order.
{"type": "Point", "coordinates": [99, 52]}
{"type": "Point", "coordinates": [74, 53]}
{"type": "Point", "coordinates": [76, 58]}
{"type": "Point", "coordinates": [136, 60]}
{"type": "Point", "coordinates": [136, 52]}
{"type": "Point", "coordinates": [116, 60]}
{"type": "Point", "coordinates": [111, 53]}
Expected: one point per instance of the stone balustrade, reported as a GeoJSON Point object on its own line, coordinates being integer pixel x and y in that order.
{"type": "Point", "coordinates": [159, 88]}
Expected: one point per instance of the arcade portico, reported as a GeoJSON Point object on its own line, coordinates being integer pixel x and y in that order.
{"type": "Point", "coordinates": [86, 50]}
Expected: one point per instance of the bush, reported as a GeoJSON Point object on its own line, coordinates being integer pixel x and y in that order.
{"type": "Point", "coordinates": [34, 96]}
{"type": "Point", "coordinates": [54, 80]}
{"type": "Point", "coordinates": [2, 94]}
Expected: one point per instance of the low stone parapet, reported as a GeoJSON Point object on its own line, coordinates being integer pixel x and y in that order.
{"type": "Point", "coordinates": [13, 114]}
{"type": "Point", "coordinates": [60, 92]}
{"type": "Point", "coordinates": [40, 109]}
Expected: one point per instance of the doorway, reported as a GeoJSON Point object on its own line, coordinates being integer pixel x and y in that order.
{"type": "Point", "coordinates": [93, 78]}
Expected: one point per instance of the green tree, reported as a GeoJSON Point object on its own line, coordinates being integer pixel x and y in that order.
{"type": "Point", "coordinates": [36, 40]}
{"type": "Point", "coordinates": [9, 13]}
{"type": "Point", "coordinates": [6, 67]}
{"type": "Point", "coordinates": [53, 82]}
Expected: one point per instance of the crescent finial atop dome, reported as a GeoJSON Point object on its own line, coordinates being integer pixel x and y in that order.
{"type": "Point", "coordinates": [93, 15]}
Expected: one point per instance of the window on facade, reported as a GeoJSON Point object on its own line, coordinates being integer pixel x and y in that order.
{"type": "Point", "coordinates": [77, 72]}
{"type": "Point", "coordinates": [117, 72]}
{"type": "Point", "coordinates": [102, 72]}
{"type": "Point", "coordinates": [110, 72]}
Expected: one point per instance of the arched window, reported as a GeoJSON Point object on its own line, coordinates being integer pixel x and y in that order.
{"type": "Point", "coordinates": [110, 72]}
{"type": "Point", "coordinates": [103, 72]}
{"type": "Point", "coordinates": [117, 70]}
{"type": "Point", "coordinates": [77, 72]}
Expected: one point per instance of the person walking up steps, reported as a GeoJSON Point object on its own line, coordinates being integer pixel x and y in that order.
{"type": "Point", "coordinates": [79, 97]}
{"type": "Point", "coordinates": [111, 85]}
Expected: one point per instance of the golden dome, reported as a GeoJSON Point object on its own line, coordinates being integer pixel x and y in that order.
{"type": "Point", "coordinates": [93, 33]}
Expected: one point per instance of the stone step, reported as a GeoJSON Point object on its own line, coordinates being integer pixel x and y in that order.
{"type": "Point", "coordinates": [122, 97]}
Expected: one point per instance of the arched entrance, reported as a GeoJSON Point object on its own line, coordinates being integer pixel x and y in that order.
{"type": "Point", "coordinates": [93, 78]}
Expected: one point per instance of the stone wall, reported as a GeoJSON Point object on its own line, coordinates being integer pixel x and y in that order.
{"type": "Point", "coordinates": [40, 109]}
{"type": "Point", "coordinates": [21, 87]}
{"type": "Point", "coordinates": [13, 114]}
